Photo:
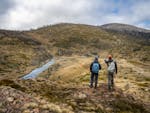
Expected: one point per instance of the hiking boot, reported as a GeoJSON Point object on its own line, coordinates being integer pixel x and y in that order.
{"type": "Point", "coordinates": [109, 88]}
{"type": "Point", "coordinates": [91, 86]}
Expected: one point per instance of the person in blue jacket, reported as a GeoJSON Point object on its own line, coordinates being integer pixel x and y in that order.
{"type": "Point", "coordinates": [94, 69]}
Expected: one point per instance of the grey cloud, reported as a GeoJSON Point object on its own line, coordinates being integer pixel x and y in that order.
{"type": "Point", "coordinates": [5, 5]}
{"type": "Point", "coordinates": [26, 14]}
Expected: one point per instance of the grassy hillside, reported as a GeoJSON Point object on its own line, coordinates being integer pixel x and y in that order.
{"type": "Point", "coordinates": [64, 87]}
{"type": "Point", "coordinates": [67, 39]}
{"type": "Point", "coordinates": [19, 53]}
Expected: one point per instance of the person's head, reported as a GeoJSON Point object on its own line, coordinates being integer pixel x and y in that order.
{"type": "Point", "coordinates": [110, 57]}
{"type": "Point", "coordinates": [96, 58]}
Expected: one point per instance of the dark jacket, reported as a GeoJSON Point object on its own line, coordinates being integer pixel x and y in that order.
{"type": "Point", "coordinates": [92, 65]}
{"type": "Point", "coordinates": [107, 61]}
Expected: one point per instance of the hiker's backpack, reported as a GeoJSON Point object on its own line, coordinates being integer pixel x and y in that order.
{"type": "Point", "coordinates": [111, 67]}
{"type": "Point", "coordinates": [95, 67]}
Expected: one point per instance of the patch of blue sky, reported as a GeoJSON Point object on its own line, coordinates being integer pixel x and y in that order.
{"type": "Point", "coordinates": [115, 11]}
{"type": "Point", "coordinates": [144, 24]}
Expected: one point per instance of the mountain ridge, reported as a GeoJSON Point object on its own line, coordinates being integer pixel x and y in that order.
{"type": "Point", "coordinates": [122, 25]}
{"type": "Point", "coordinates": [127, 29]}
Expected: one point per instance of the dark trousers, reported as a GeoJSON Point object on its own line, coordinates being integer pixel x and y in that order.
{"type": "Point", "coordinates": [94, 78]}
{"type": "Point", "coordinates": [110, 80]}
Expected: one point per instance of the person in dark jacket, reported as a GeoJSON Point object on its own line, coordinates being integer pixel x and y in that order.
{"type": "Point", "coordinates": [94, 69]}
{"type": "Point", "coordinates": [112, 69]}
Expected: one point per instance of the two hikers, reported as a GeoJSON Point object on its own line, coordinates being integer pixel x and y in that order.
{"type": "Point", "coordinates": [95, 67]}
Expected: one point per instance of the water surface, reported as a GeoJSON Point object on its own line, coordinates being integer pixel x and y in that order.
{"type": "Point", "coordinates": [39, 70]}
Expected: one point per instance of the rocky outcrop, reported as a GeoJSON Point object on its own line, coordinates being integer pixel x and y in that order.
{"type": "Point", "coordinates": [15, 101]}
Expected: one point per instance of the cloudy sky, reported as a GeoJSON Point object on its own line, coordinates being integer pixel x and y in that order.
{"type": "Point", "coordinates": [27, 14]}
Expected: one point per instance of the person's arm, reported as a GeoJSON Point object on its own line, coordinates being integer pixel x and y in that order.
{"type": "Point", "coordinates": [91, 67]}
{"type": "Point", "coordinates": [116, 67]}
{"type": "Point", "coordinates": [100, 67]}
{"type": "Point", "coordinates": [106, 61]}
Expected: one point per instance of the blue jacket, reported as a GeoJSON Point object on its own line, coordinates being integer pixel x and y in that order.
{"type": "Point", "coordinates": [92, 65]}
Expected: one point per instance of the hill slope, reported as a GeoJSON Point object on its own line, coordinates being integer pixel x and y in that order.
{"type": "Point", "coordinates": [63, 88]}
{"type": "Point", "coordinates": [67, 39]}
{"type": "Point", "coordinates": [19, 51]}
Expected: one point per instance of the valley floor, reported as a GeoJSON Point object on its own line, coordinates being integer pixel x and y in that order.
{"type": "Point", "coordinates": [64, 88]}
